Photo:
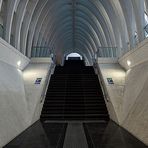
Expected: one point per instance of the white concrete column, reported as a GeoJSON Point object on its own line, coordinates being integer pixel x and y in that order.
{"type": "Point", "coordinates": [146, 3]}
{"type": "Point", "coordinates": [1, 4]}
{"type": "Point", "coordinates": [26, 22]}
{"type": "Point", "coordinates": [138, 6]}
{"type": "Point", "coordinates": [104, 11]}
{"type": "Point", "coordinates": [20, 13]}
{"type": "Point", "coordinates": [39, 8]}
{"type": "Point", "coordinates": [127, 8]}
{"type": "Point", "coordinates": [11, 7]}
{"type": "Point", "coordinates": [119, 15]}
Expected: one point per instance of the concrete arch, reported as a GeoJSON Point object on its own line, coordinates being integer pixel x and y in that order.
{"type": "Point", "coordinates": [55, 29]}
{"type": "Point", "coordinates": [101, 23]}
{"type": "Point", "coordinates": [139, 17]}
{"type": "Point", "coordinates": [97, 33]}
{"type": "Point", "coordinates": [20, 13]}
{"type": "Point", "coordinates": [36, 26]}
{"type": "Point", "coordinates": [26, 23]}
{"type": "Point", "coordinates": [53, 25]}
{"type": "Point", "coordinates": [37, 12]}
{"type": "Point", "coordinates": [11, 7]}
{"type": "Point", "coordinates": [62, 31]}
{"type": "Point", "coordinates": [146, 4]}
{"type": "Point", "coordinates": [87, 44]}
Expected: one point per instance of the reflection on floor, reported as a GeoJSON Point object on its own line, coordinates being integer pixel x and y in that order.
{"type": "Point", "coordinates": [40, 136]}
{"type": "Point", "coordinates": [75, 136]}
{"type": "Point", "coordinates": [59, 135]}
{"type": "Point", "coordinates": [109, 135]}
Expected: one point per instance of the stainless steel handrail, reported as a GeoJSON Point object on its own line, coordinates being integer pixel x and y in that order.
{"type": "Point", "coordinates": [105, 94]}
{"type": "Point", "coordinates": [47, 79]}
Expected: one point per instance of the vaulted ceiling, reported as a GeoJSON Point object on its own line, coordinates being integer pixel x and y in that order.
{"type": "Point", "coordinates": [66, 26]}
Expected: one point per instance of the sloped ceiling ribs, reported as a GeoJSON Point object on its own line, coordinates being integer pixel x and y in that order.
{"type": "Point", "coordinates": [72, 25]}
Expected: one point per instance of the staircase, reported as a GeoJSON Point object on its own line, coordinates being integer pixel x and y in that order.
{"type": "Point", "coordinates": [74, 93]}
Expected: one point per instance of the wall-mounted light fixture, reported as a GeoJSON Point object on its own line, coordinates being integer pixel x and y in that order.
{"type": "Point", "coordinates": [19, 63]}
{"type": "Point", "coordinates": [128, 62]}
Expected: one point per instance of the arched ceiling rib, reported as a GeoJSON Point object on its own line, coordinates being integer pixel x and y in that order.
{"type": "Point", "coordinates": [20, 13]}
{"type": "Point", "coordinates": [61, 30]}
{"type": "Point", "coordinates": [67, 36]}
{"type": "Point", "coordinates": [26, 23]}
{"type": "Point", "coordinates": [47, 29]}
{"type": "Point", "coordinates": [54, 25]}
{"type": "Point", "coordinates": [146, 3]}
{"type": "Point", "coordinates": [36, 16]}
{"type": "Point", "coordinates": [82, 25]}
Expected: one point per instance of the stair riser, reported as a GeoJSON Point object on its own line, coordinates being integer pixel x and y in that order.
{"type": "Point", "coordinates": [74, 93]}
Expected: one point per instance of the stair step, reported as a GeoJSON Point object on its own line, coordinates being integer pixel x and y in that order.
{"type": "Point", "coordinates": [77, 115]}
{"type": "Point", "coordinates": [74, 93]}
{"type": "Point", "coordinates": [74, 101]}
{"type": "Point", "coordinates": [73, 112]}
{"type": "Point", "coordinates": [75, 105]}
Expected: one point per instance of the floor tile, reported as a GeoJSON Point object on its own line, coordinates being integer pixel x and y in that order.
{"type": "Point", "coordinates": [110, 135]}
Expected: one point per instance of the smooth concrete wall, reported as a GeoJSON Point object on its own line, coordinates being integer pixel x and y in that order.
{"type": "Point", "coordinates": [20, 98]}
{"type": "Point", "coordinates": [109, 68]}
{"type": "Point", "coordinates": [11, 56]}
{"type": "Point", "coordinates": [38, 68]}
{"type": "Point", "coordinates": [127, 97]}
{"type": "Point", "coordinates": [136, 56]}
{"type": "Point", "coordinates": [135, 105]}
{"type": "Point", "coordinates": [13, 104]}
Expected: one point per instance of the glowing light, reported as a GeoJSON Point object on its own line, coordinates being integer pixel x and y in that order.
{"type": "Point", "coordinates": [128, 63]}
{"type": "Point", "coordinates": [74, 55]}
{"type": "Point", "coordinates": [19, 63]}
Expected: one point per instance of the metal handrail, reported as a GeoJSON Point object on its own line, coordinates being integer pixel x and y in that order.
{"type": "Point", "coordinates": [103, 87]}
{"type": "Point", "coordinates": [107, 52]}
{"type": "Point", "coordinates": [137, 40]}
{"type": "Point", "coordinates": [47, 79]}
{"type": "Point", "coordinates": [44, 51]}
{"type": "Point", "coordinates": [105, 94]}
{"type": "Point", "coordinates": [104, 90]}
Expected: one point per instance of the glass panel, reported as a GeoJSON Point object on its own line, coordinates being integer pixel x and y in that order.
{"type": "Point", "coordinates": [41, 52]}
{"type": "Point", "coordinates": [107, 52]}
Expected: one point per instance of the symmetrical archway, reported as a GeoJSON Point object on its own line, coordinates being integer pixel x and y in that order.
{"type": "Point", "coordinates": [82, 25]}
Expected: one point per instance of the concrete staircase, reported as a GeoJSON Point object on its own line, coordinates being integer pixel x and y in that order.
{"type": "Point", "coordinates": [74, 93]}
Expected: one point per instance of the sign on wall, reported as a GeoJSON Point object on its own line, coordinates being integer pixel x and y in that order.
{"type": "Point", "coordinates": [110, 81]}
{"type": "Point", "coordinates": [38, 81]}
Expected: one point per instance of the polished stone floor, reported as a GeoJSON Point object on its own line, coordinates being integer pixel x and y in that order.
{"type": "Point", "coordinates": [110, 135]}
{"type": "Point", "coordinates": [75, 135]}
{"type": "Point", "coordinates": [41, 136]}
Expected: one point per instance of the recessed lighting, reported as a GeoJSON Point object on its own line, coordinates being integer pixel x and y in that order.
{"type": "Point", "coordinates": [19, 63]}
{"type": "Point", "coordinates": [128, 62]}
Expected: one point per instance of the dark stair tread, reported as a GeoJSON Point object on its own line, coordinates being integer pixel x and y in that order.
{"type": "Point", "coordinates": [74, 93]}
{"type": "Point", "coordinates": [77, 115]}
